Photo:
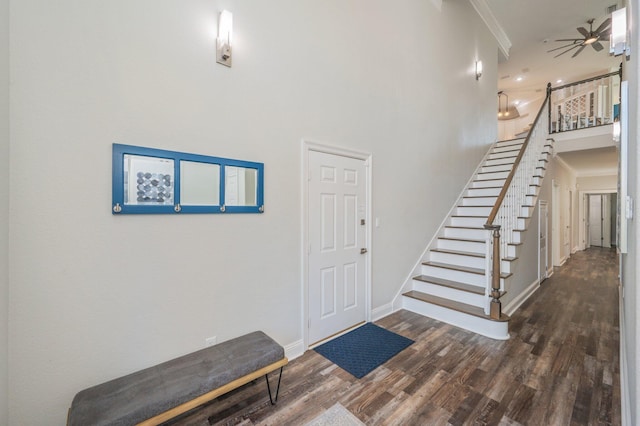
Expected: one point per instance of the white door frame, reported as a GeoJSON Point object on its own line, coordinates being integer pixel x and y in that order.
{"type": "Point", "coordinates": [583, 219]}
{"type": "Point", "coordinates": [556, 226]}
{"type": "Point", "coordinates": [308, 146]}
{"type": "Point", "coordinates": [546, 238]}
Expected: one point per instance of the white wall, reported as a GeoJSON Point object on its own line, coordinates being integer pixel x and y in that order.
{"type": "Point", "coordinates": [629, 317]}
{"type": "Point", "coordinates": [94, 296]}
{"type": "Point", "coordinates": [4, 206]}
{"type": "Point", "coordinates": [596, 183]}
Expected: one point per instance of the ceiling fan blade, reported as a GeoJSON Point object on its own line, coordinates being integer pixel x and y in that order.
{"type": "Point", "coordinates": [568, 50]}
{"type": "Point", "coordinates": [582, 31]}
{"type": "Point", "coordinates": [604, 25]}
{"type": "Point", "coordinates": [604, 36]}
{"type": "Point", "coordinates": [578, 51]}
{"type": "Point", "coordinates": [561, 47]}
{"type": "Point", "coordinates": [597, 46]}
{"type": "Point", "coordinates": [570, 39]}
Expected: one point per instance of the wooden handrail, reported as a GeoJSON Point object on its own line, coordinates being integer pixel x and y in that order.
{"type": "Point", "coordinates": [507, 183]}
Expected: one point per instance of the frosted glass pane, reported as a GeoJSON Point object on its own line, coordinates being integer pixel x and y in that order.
{"type": "Point", "coordinates": [199, 184]}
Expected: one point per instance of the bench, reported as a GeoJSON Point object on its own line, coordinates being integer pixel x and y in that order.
{"type": "Point", "coordinates": [159, 393]}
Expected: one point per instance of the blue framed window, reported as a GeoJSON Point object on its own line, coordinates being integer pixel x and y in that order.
{"type": "Point", "coordinates": [148, 181]}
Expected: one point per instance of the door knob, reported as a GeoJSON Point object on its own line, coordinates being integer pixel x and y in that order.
{"type": "Point", "coordinates": [363, 250]}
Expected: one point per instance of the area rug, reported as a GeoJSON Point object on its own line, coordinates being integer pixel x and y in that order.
{"type": "Point", "coordinates": [335, 416]}
{"type": "Point", "coordinates": [364, 349]}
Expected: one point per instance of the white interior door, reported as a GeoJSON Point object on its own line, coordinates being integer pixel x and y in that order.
{"type": "Point", "coordinates": [337, 244]}
{"type": "Point", "coordinates": [543, 222]}
{"type": "Point", "coordinates": [595, 220]}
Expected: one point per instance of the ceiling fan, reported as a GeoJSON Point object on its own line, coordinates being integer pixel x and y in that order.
{"type": "Point", "coordinates": [590, 37]}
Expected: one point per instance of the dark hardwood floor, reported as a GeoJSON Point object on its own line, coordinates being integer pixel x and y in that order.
{"type": "Point", "coordinates": [560, 367]}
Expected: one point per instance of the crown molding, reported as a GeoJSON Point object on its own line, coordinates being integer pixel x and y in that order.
{"type": "Point", "coordinates": [494, 26]}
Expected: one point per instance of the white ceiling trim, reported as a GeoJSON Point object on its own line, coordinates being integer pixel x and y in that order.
{"type": "Point", "coordinates": [494, 26]}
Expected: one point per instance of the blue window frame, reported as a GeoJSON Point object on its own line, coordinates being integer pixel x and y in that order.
{"type": "Point", "coordinates": [151, 181]}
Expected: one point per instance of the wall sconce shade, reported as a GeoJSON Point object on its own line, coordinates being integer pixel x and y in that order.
{"type": "Point", "coordinates": [478, 70]}
{"type": "Point", "coordinates": [223, 42]}
{"type": "Point", "coordinates": [618, 39]}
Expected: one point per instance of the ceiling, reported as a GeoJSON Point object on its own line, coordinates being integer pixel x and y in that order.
{"type": "Point", "coordinates": [592, 162]}
{"type": "Point", "coordinates": [532, 26]}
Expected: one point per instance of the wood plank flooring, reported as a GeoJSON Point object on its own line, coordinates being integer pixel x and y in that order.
{"type": "Point", "coordinates": [560, 367]}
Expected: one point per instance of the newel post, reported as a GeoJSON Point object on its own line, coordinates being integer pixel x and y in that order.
{"type": "Point", "coordinates": [495, 310]}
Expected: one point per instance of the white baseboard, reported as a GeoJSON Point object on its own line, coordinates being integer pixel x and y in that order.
{"type": "Point", "coordinates": [381, 311]}
{"type": "Point", "coordinates": [624, 381]}
{"type": "Point", "coordinates": [294, 350]}
{"type": "Point", "coordinates": [563, 261]}
{"type": "Point", "coordinates": [521, 298]}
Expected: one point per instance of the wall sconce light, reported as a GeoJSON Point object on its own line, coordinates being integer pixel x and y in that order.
{"type": "Point", "coordinates": [478, 70]}
{"type": "Point", "coordinates": [223, 42]}
{"type": "Point", "coordinates": [618, 39]}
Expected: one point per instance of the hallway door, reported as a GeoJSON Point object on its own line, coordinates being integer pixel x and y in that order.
{"type": "Point", "coordinates": [595, 220]}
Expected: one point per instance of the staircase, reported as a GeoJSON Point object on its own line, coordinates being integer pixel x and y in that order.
{"type": "Point", "coordinates": [453, 284]}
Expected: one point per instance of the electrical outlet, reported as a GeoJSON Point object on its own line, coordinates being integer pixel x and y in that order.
{"type": "Point", "coordinates": [210, 341]}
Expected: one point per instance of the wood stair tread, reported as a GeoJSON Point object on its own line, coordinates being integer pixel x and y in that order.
{"type": "Point", "coordinates": [466, 215]}
{"type": "Point", "coordinates": [458, 252]}
{"type": "Point", "coordinates": [479, 196]}
{"type": "Point", "coordinates": [464, 227]}
{"type": "Point", "coordinates": [470, 240]}
{"type": "Point", "coordinates": [453, 305]}
{"type": "Point", "coordinates": [468, 269]}
{"type": "Point", "coordinates": [450, 284]}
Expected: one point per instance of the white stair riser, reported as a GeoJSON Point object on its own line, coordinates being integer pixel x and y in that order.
{"type": "Point", "coordinates": [475, 201]}
{"type": "Point", "coordinates": [496, 168]}
{"type": "Point", "coordinates": [473, 211]}
{"type": "Point", "coordinates": [474, 234]}
{"type": "Point", "coordinates": [487, 183]}
{"type": "Point", "coordinates": [472, 222]}
{"type": "Point", "coordinates": [492, 175]}
{"type": "Point", "coordinates": [453, 275]}
{"type": "Point", "coordinates": [506, 148]}
{"type": "Point", "coordinates": [526, 211]}
{"type": "Point", "coordinates": [478, 300]}
{"type": "Point", "coordinates": [459, 245]}
{"type": "Point", "coordinates": [529, 200]}
{"type": "Point", "coordinates": [457, 259]}
{"type": "Point", "coordinates": [497, 161]}
{"type": "Point", "coordinates": [489, 192]}
{"type": "Point", "coordinates": [507, 154]}
{"type": "Point", "coordinates": [542, 163]}
{"type": "Point", "coordinates": [514, 144]}
{"type": "Point", "coordinates": [492, 329]}
{"type": "Point", "coordinates": [536, 181]}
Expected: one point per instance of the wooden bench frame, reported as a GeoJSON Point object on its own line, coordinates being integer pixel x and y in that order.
{"type": "Point", "coordinates": [213, 394]}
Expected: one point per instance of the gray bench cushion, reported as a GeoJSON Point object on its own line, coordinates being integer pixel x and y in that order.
{"type": "Point", "coordinates": [144, 394]}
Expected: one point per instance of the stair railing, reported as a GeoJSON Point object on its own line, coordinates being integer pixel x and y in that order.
{"type": "Point", "coordinates": [506, 214]}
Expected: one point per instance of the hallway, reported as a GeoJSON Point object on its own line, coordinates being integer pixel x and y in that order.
{"type": "Point", "coordinates": [560, 367]}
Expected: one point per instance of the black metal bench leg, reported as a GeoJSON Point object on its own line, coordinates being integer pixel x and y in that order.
{"type": "Point", "coordinates": [266, 377]}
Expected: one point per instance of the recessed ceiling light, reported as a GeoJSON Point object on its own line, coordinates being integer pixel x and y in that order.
{"type": "Point", "coordinates": [558, 81]}
{"type": "Point", "coordinates": [516, 102]}
{"type": "Point", "coordinates": [518, 78]}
